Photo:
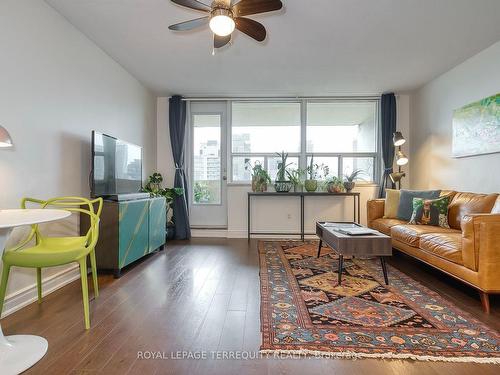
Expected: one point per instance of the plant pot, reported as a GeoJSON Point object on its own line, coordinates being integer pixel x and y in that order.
{"type": "Point", "coordinates": [334, 189]}
{"type": "Point", "coordinates": [311, 185]}
{"type": "Point", "coordinates": [258, 186]}
{"type": "Point", "coordinates": [297, 188]}
{"type": "Point", "coordinates": [349, 185]}
{"type": "Point", "coordinates": [170, 231]}
{"type": "Point", "coordinates": [282, 186]}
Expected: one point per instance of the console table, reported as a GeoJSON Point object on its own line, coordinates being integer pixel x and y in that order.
{"type": "Point", "coordinates": [301, 195]}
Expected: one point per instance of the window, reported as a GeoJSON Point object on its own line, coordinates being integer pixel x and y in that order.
{"type": "Point", "coordinates": [339, 134]}
{"type": "Point", "coordinates": [344, 132]}
{"type": "Point", "coordinates": [265, 127]}
{"type": "Point", "coordinates": [207, 159]}
{"type": "Point", "coordinates": [258, 131]}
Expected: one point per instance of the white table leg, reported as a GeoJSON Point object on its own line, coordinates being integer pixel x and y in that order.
{"type": "Point", "coordinates": [19, 352]}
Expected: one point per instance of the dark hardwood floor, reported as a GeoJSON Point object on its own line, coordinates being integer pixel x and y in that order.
{"type": "Point", "coordinates": [201, 295]}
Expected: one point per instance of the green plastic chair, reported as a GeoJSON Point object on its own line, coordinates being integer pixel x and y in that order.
{"type": "Point", "coordinates": [57, 251]}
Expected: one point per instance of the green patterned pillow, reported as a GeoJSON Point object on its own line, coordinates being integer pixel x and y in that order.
{"type": "Point", "coordinates": [430, 211]}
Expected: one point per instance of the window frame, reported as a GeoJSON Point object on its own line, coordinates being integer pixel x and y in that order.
{"type": "Point", "coordinates": [303, 154]}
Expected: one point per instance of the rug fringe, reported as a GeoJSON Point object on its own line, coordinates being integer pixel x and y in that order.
{"type": "Point", "coordinates": [355, 355]}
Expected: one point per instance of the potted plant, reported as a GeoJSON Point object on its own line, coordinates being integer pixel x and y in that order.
{"type": "Point", "coordinates": [282, 184]}
{"type": "Point", "coordinates": [260, 177]}
{"type": "Point", "coordinates": [311, 183]}
{"type": "Point", "coordinates": [334, 185]}
{"type": "Point", "coordinates": [349, 179]}
{"type": "Point", "coordinates": [153, 187]}
{"type": "Point", "coordinates": [296, 176]}
{"type": "Point", "coordinates": [154, 183]}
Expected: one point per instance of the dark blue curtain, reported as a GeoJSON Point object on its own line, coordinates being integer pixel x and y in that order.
{"type": "Point", "coordinates": [388, 127]}
{"type": "Point", "coordinates": [177, 127]}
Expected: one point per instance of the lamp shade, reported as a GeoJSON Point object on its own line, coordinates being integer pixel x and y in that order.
{"type": "Point", "coordinates": [396, 176]}
{"type": "Point", "coordinates": [401, 159]}
{"type": "Point", "coordinates": [5, 139]}
{"type": "Point", "coordinates": [398, 139]}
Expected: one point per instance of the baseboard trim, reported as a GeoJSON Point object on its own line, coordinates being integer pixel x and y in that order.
{"type": "Point", "coordinates": [220, 233]}
{"type": "Point", "coordinates": [28, 295]}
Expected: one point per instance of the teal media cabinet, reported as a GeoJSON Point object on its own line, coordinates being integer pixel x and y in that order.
{"type": "Point", "coordinates": [128, 231]}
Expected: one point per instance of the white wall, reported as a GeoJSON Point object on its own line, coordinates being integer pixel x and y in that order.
{"type": "Point", "coordinates": [56, 86]}
{"type": "Point", "coordinates": [431, 127]}
{"type": "Point", "coordinates": [165, 160]}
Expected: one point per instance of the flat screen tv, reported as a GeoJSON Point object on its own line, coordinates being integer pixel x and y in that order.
{"type": "Point", "coordinates": [116, 166]}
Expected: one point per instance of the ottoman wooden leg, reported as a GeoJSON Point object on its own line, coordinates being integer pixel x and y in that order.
{"type": "Point", "coordinates": [384, 269]}
{"type": "Point", "coordinates": [319, 247]}
{"type": "Point", "coordinates": [341, 265]}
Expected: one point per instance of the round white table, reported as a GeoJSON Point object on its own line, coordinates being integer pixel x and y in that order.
{"type": "Point", "coordinates": [20, 352]}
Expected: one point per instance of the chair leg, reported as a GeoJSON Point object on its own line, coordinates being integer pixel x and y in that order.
{"type": "Point", "coordinates": [39, 284]}
{"type": "Point", "coordinates": [3, 284]}
{"type": "Point", "coordinates": [85, 291]}
{"type": "Point", "coordinates": [485, 301]}
{"type": "Point", "coordinates": [94, 273]}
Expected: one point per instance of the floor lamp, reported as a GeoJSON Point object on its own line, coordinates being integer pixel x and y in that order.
{"type": "Point", "coordinates": [401, 159]}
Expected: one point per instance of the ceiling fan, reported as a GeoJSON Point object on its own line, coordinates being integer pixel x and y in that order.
{"type": "Point", "coordinates": [223, 17]}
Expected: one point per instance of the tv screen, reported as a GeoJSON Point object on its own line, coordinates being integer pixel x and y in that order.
{"type": "Point", "coordinates": [116, 166]}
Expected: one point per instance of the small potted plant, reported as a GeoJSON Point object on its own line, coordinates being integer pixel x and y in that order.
{"type": "Point", "coordinates": [334, 185]}
{"type": "Point", "coordinates": [296, 176]}
{"type": "Point", "coordinates": [282, 184]}
{"type": "Point", "coordinates": [260, 177]}
{"type": "Point", "coordinates": [311, 183]}
{"type": "Point", "coordinates": [349, 179]}
{"type": "Point", "coordinates": [153, 187]}
{"type": "Point", "coordinates": [154, 183]}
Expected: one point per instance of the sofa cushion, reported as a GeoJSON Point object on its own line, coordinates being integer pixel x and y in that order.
{"type": "Point", "coordinates": [469, 203]}
{"type": "Point", "coordinates": [430, 212]}
{"type": "Point", "coordinates": [391, 203]}
{"type": "Point", "coordinates": [444, 245]}
{"type": "Point", "coordinates": [384, 225]}
{"type": "Point", "coordinates": [496, 207]}
{"type": "Point", "coordinates": [410, 234]}
{"type": "Point", "coordinates": [405, 208]}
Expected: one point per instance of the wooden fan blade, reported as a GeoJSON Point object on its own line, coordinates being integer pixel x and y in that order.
{"type": "Point", "coordinates": [248, 7]}
{"type": "Point", "coordinates": [221, 41]}
{"type": "Point", "coordinates": [250, 27]}
{"type": "Point", "coordinates": [193, 4]}
{"type": "Point", "coordinates": [189, 25]}
{"type": "Point", "coordinates": [226, 4]}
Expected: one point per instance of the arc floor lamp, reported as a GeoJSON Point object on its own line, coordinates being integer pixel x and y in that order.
{"type": "Point", "coordinates": [401, 159]}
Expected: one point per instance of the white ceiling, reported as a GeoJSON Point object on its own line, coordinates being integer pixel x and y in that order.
{"type": "Point", "coordinates": [314, 47]}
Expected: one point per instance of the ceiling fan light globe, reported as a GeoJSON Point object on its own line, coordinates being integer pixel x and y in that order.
{"type": "Point", "coordinates": [222, 25]}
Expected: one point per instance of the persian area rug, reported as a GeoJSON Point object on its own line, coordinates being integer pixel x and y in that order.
{"type": "Point", "coordinates": [305, 311]}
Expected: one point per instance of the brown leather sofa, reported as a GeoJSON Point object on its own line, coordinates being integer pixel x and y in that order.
{"type": "Point", "coordinates": [468, 251]}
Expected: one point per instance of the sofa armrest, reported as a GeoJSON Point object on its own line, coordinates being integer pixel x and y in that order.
{"type": "Point", "coordinates": [375, 210]}
{"type": "Point", "coordinates": [489, 256]}
{"type": "Point", "coordinates": [477, 246]}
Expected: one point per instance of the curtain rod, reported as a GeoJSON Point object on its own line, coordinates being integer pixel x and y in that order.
{"type": "Point", "coordinates": [289, 98]}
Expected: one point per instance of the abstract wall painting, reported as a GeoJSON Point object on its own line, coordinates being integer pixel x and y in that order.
{"type": "Point", "coordinates": [476, 128]}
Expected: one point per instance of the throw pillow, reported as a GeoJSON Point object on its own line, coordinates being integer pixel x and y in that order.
{"type": "Point", "coordinates": [430, 212]}
{"type": "Point", "coordinates": [405, 208]}
{"type": "Point", "coordinates": [391, 203]}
